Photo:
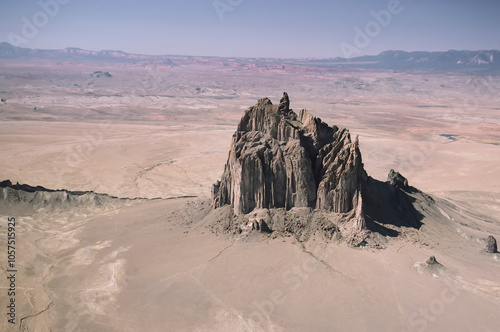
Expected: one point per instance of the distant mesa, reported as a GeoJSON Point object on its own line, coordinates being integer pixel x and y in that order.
{"type": "Point", "coordinates": [99, 73]}
{"type": "Point", "coordinates": [452, 60]}
{"type": "Point", "coordinates": [283, 161]}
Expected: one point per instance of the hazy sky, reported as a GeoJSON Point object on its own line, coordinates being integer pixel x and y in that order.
{"type": "Point", "coordinates": [253, 28]}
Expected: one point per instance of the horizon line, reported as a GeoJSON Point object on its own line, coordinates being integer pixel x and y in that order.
{"type": "Point", "coordinates": [242, 57]}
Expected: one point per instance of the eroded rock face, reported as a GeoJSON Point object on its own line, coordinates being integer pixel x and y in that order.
{"type": "Point", "coordinates": [279, 159]}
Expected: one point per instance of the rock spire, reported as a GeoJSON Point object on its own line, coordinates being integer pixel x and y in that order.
{"type": "Point", "coordinates": [280, 159]}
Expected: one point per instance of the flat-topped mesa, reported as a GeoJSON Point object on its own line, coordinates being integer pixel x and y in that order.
{"type": "Point", "coordinates": [280, 160]}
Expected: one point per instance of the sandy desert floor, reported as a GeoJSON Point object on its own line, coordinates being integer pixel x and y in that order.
{"type": "Point", "coordinates": [156, 265]}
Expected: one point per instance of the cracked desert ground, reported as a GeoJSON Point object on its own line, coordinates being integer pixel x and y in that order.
{"type": "Point", "coordinates": [164, 132]}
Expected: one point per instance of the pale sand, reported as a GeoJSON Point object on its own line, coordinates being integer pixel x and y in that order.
{"type": "Point", "coordinates": [154, 266]}
{"type": "Point", "coordinates": [151, 266]}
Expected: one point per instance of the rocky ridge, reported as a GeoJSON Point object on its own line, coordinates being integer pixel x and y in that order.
{"type": "Point", "coordinates": [23, 199]}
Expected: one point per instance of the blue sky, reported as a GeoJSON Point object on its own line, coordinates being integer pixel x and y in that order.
{"type": "Point", "coordinates": [253, 28]}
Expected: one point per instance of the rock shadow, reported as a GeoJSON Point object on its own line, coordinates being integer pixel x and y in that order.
{"type": "Point", "coordinates": [386, 205]}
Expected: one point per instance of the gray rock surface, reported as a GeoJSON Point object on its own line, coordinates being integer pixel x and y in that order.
{"type": "Point", "coordinates": [491, 245]}
{"type": "Point", "coordinates": [432, 261]}
{"type": "Point", "coordinates": [279, 159]}
{"type": "Point", "coordinates": [397, 180]}
{"type": "Point", "coordinates": [261, 226]}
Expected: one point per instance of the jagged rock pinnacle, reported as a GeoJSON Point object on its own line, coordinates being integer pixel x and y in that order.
{"type": "Point", "coordinates": [279, 159]}
{"type": "Point", "coordinates": [284, 106]}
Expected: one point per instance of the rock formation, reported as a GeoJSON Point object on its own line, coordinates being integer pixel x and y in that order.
{"type": "Point", "coordinates": [279, 159]}
{"type": "Point", "coordinates": [491, 245]}
{"type": "Point", "coordinates": [397, 180]}
{"type": "Point", "coordinates": [432, 261]}
{"type": "Point", "coordinates": [23, 199]}
{"type": "Point", "coordinates": [100, 73]}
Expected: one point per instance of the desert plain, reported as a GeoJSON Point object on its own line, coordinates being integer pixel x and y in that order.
{"type": "Point", "coordinates": [155, 137]}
